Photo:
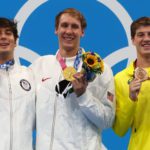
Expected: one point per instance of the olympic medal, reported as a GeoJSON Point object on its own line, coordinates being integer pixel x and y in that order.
{"type": "Point", "coordinates": [68, 73]}
{"type": "Point", "coordinates": [141, 73]}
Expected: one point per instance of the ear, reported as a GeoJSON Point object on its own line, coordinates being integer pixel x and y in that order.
{"type": "Point", "coordinates": [56, 32]}
{"type": "Point", "coordinates": [15, 44]}
{"type": "Point", "coordinates": [82, 34]}
{"type": "Point", "coordinates": [133, 41]}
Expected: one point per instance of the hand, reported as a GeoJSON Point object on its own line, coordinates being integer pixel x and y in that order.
{"type": "Point", "coordinates": [79, 84]}
{"type": "Point", "coordinates": [134, 89]}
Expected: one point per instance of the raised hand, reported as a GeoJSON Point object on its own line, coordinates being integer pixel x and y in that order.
{"type": "Point", "coordinates": [134, 89]}
{"type": "Point", "coordinates": [79, 84]}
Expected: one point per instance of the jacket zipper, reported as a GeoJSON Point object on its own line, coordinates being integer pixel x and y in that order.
{"type": "Point", "coordinates": [53, 124]}
{"type": "Point", "coordinates": [11, 112]}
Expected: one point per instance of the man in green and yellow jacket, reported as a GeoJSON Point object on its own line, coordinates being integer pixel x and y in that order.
{"type": "Point", "coordinates": [133, 90]}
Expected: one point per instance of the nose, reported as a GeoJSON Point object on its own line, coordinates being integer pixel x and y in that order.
{"type": "Point", "coordinates": [147, 37]}
{"type": "Point", "coordinates": [2, 35]}
{"type": "Point", "coordinates": [69, 30]}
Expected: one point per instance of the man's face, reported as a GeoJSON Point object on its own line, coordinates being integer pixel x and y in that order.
{"type": "Point", "coordinates": [7, 41]}
{"type": "Point", "coordinates": [69, 32]}
{"type": "Point", "coordinates": [142, 41]}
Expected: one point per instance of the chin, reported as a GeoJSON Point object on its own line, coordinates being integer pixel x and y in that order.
{"type": "Point", "coordinates": [4, 51]}
{"type": "Point", "coordinates": [68, 48]}
{"type": "Point", "coordinates": [146, 54]}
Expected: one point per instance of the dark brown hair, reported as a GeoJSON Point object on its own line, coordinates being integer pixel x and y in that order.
{"type": "Point", "coordinates": [7, 23]}
{"type": "Point", "coordinates": [143, 21]}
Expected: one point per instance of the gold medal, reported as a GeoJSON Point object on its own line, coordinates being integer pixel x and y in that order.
{"type": "Point", "coordinates": [68, 73]}
{"type": "Point", "coordinates": [141, 73]}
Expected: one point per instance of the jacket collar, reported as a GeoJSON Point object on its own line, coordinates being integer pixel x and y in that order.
{"type": "Point", "coordinates": [130, 69]}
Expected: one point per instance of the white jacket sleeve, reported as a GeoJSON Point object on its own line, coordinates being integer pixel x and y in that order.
{"type": "Point", "coordinates": [98, 102]}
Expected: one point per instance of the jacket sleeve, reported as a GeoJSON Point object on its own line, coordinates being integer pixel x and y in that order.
{"type": "Point", "coordinates": [125, 108]}
{"type": "Point", "coordinates": [98, 102]}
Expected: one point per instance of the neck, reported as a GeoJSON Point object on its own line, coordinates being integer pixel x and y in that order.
{"type": "Point", "coordinates": [68, 53]}
{"type": "Point", "coordinates": [143, 62]}
{"type": "Point", "coordinates": [4, 58]}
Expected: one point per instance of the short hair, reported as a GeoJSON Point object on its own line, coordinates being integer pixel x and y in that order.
{"type": "Point", "coordinates": [143, 21]}
{"type": "Point", "coordinates": [74, 13]}
{"type": "Point", "coordinates": [7, 23]}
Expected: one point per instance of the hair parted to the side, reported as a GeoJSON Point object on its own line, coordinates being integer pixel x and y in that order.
{"type": "Point", "coordinates": [143, 21]}
{"type": "Point", "coordinates": [74, 13]}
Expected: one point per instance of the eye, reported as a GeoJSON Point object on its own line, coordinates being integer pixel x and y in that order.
{"type": "Point", "coordinates": [8, 32]}
{"type": "Point", "coordinates": [64, 25]}
{"type": "Point", "coordinates": [140, 34]}
{"type": "Point", "coordinates": [75, 26]}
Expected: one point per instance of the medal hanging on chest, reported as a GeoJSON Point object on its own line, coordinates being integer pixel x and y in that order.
{"type": "Point", "coordinates": [140, 73]}
{"type": "Point", "coordinates": [69, 71]}
{"type": "Point", "coordinates": [64, 87]}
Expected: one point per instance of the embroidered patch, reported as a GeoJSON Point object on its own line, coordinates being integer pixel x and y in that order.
{"type": "Point", "coordinates": [110, 96]}
{"type": "Point", "coordinates": [25, 85]}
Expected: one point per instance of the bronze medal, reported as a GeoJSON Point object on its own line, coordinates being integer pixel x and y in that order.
{"type": "Point", "coordinates": [68, 73]}
{"type": "Point", "coordinates": [141, 73]}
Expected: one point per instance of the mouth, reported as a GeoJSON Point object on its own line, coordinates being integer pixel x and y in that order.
{"type": "Point", "coordinates": [146, 45]}
{"type": "Point", "coordinates": [68, 38]}
{"type": "Point", "coordinates": [4, 44]}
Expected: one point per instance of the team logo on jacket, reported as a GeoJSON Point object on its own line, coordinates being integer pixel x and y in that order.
{"type": "Point", "coordinates": [25, 85]}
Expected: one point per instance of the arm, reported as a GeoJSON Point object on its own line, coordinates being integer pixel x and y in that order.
{"type": "Point", "coordinates": [134, 89]}
{"type": "Point", "coordinates": [97, 102]}
{"type": "Point", "coordinates": [125, 107]}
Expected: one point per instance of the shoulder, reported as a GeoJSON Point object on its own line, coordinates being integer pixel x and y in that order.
{"type": "Point", "coordinates": [20, 68]}
{"type": "Point", "coordinates": [123, 77]}
{"type": "Point", "coordinates": [120, 74]}
{"type": "Point", "coordinates": [107, 69]}
{"type": "Point", "coordinates": [107, 74]}
{"type": "Point", "coordinates": [106, 77]}
{"type": "Point", "coordinates": [128, 71]}
{"type": "Point", "coordinates": [123, 74]}
{"type": "Point", "coordinates": [43, 61]}
{"type": "Point", "coordinates": [24, 69]}
{"type": "Point", "coordinates": [22, 72]}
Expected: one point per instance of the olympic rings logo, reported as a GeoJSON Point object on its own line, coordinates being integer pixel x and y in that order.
{"type": "Point", "coordinates": [115, 57]}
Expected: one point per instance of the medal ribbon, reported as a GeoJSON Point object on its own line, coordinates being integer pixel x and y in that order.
{"type": "Point", "coordinates": [76, 62]}
{"type": "Point", "coordinates": [64, 86]}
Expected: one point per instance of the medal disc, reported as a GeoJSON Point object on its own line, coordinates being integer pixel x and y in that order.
{"type": "Point", "coordinates": [68, 73]}
{"type": "Point", "coordinates": [140, 73]}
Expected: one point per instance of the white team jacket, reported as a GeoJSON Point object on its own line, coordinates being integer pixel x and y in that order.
{"type": "Point", "coordinates": [71, 123]}
{"type": "Point", "coordinates": [17, 108]}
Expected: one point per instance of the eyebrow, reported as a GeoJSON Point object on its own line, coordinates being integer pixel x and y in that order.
{"type": "Point", "coordinates": [143, 32]}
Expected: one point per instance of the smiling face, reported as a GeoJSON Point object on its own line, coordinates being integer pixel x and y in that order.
{"type": "Point", "coordinates": [141, 40]}
{"type": "Point", "coordinates": [7, 42]}
{"type": "Point", "coordinates": [69, 32]}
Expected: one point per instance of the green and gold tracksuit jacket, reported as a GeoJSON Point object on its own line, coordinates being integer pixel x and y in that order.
{"type": "Point", "coordinates": [134, 115]}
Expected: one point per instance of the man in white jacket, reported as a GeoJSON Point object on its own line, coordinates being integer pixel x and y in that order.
{"type": "Point", "coordinates": [65, 120]}
{"type": "Point", "coordinates": [17, 94]}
